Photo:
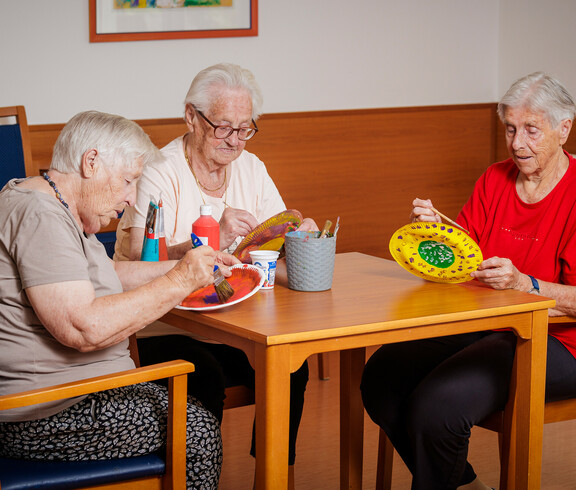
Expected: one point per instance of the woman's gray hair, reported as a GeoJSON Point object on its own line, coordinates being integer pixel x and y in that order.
{"type": "Point", "coordinates": [119, 141]}
{"type": "Point", "coordinates": [541, 93]}
{"type": "Point", "coordinates": [204, 88]}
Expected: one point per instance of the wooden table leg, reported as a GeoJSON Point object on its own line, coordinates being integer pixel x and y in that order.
{"type": "Point", "coordinates": [351, 418]}
{"type": "Point", "coordinates": [529, 406]}
{"type": "Point", "coordinates": [272, 368]}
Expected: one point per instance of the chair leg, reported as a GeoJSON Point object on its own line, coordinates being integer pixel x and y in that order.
{"type": "Point", "coordinates": [323, 366]}
{"type": "Point", "coordinates": [291, 477]}
{"type": "Point", "coordinates": [507, 443]}
{"type": "Point", "coordinates": [384, 462]}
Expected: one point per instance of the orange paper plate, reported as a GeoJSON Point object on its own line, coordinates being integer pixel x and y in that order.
{"type": "Point", "coordinates": [436, 252]}
{"type": "Point", "coordinates": [246, 279]}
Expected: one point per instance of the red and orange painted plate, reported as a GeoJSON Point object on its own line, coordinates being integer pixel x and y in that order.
{"type": "Point", "coordinates": [246, 280]}
{"type": "Point", "coordinates": [436, 252]}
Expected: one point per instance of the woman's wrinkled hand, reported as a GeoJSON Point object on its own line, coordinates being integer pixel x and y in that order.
{"type": "Point", "coordinates": [422, 211]}
{"type": "Point", "coordinates": [308, 224]}
{"type": "Point", "coordinates": [499, 273]}
{"type": "Point", "coordinates": [194, 270]}
{"type": "Point", "coordinates": [226, 260]}
{"type": "Point", "coordinates": [235, 223]}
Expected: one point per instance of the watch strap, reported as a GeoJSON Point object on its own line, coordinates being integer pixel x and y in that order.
{"type": "Point", "coordinates": [535, 286]}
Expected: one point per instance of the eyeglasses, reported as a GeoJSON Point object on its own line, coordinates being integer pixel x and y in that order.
{"type": "Point", "coordinates": [222, 132]}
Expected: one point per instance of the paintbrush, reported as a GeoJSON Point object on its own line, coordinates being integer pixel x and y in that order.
{"type": "Point", "coordinates": [223, 289]}
{"type": "Point", "coordinates": [337, 226]}
{"type": "Point", "coordinates": [450, 221]}
{"type": "Point", "coordinates": [326, 228]}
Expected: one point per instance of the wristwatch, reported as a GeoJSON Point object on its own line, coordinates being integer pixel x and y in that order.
{"type": "Point", "coordinates": [535, 286]}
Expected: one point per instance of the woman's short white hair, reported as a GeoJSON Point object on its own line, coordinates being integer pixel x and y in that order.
{"type": "Point", "coordinates": [119, 141]}
{"type": "Point", "coordinates": [540, 92]}
{"type": "Point", "coordinates": [204, 88]}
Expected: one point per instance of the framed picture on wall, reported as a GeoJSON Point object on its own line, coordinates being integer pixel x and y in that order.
{"type": "Point", "coordinates": [147, 20]}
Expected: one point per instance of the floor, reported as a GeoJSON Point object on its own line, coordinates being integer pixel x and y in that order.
{"type": "Point", "coordinates": [317, 462]}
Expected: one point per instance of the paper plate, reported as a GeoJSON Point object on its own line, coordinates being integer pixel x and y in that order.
{"type": "Point", "coordinates": [268, 235]}
{"type": "Point", "coordinates": [436, 252]}
{"type": "Point", "coordinates": [246, 280]}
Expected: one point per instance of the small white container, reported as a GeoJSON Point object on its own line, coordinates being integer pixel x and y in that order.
{"type": "Point", "coordinates": [266, 260]}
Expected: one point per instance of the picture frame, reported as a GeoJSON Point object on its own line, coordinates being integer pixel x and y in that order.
{"type": "Point", "coordinates": [171, 19]}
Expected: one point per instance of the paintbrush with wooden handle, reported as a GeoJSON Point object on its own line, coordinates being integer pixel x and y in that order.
{"type": "Point", "coordinates": [450, 221]}
{"type": "Point", "coordinates": [223, 289]}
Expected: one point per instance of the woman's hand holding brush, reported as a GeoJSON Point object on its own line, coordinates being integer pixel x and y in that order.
{"type": "Point", "coordinates": [423, 210]}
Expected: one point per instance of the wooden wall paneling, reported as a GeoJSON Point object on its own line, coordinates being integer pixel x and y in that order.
{"type": "Point", "coordinates": [365, 166]}
{"type": "Point", "coordinates": [368, 166]}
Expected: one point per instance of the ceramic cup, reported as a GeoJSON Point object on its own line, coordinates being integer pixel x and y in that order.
{"type": "Point", "coordinates": [309, 260]}
{"type": "Point", "coordinates": [266, 260]}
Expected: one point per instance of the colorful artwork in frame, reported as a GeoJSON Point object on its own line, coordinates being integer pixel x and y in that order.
{"type": "Point", "coordinates": [131, 4]}
{"type": "Point", "coordinates": [145, 20]}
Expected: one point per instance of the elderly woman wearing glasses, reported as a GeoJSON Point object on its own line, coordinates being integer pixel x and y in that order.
{"type": "Point", "coordinates": [208, 165]}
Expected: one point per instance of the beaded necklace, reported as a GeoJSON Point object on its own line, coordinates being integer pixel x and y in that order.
{"type": "Point", "coordinates": [53, 185]}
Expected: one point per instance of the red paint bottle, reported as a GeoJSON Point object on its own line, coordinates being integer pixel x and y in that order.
{"type": "Point", "coordinates": [207, 228]}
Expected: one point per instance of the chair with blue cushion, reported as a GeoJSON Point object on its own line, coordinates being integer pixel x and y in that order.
{"type": "Point", "coordinates": [165, 470]}
{"type": "Point", "coordinates": [15, 149]}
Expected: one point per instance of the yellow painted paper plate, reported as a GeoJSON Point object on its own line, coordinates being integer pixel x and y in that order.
{"type": "Point", "coordinates": [436, 252]}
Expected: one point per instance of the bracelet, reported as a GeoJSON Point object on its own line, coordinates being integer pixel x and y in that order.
{"type": "Point", "coordinates": [535, 286]}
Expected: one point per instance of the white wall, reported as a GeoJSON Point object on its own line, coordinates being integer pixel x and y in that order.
{"type": "Point", "coordinates": [537, 35]}
{"type": "Point", "coordinates": [309, 55]}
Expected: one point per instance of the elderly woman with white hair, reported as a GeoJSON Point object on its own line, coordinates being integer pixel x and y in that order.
{"type": "Point", "coordinates": [427, 394]}
{"type": "Point", "coordinates": [67, 310]}
{"type": "Point", "coordinates": [209, 165]}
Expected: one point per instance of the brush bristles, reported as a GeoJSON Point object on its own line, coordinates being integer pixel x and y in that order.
{"type": "Point", "coordinates": [223, 289]}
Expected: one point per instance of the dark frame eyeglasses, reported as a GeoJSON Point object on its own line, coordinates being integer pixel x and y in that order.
{"type": "Point", "coordinates": [223, 132]}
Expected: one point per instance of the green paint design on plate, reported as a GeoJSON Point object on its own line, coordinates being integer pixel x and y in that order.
{"type": "Point", "coordinates": [436, 254]}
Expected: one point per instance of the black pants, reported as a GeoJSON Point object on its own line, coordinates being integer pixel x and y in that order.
{"type": "Point", "coordinates": [219, 366]}
{"type": "Point", "coordinates": [427, 395]}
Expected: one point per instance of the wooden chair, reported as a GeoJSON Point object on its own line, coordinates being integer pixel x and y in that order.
{"type": "Point", "coordinates": [236, 396]}
{"type": "Point", "coordinates": [144, 472]}
{"type": "Point", "coordinates": [501, 422]}
{"type": "Point", "coordinates": [15, 147]}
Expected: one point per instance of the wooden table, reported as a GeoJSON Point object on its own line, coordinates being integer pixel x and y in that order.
{"type": "Point", "coordinates": [372, 301]}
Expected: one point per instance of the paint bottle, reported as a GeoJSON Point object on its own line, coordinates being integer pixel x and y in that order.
{"type": "Point", "coordinates": [207, 228]}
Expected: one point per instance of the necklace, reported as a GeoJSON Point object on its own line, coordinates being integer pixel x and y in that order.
{"type": "Point", "coordinates": [197, 181]}
{"type": "Point", "coordinates": [53, 185]}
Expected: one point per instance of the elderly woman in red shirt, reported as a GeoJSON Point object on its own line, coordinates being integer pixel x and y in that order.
{"type": "Point", "coordinates": [428, 394]}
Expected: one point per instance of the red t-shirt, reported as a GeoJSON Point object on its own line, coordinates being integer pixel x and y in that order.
{"type": "Point", "coordinates": [538, 238]}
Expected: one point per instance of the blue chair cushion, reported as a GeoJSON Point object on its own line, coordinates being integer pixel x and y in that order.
{"type": "Point", "coordinates": [11, 154]}
{"type": "Point", "coordinates": [16, 474]}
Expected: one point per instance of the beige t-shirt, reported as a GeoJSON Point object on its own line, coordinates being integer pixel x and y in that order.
{"type": "Point", "coordinates": [250, 188]}
{"type": "Point", "coordinates": [40, 243]}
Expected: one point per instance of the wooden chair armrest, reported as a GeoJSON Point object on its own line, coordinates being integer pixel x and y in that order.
{"type": "Point", "coordinates": [561, 319]}
{"type": "Point", "coordinates": [92, 385]}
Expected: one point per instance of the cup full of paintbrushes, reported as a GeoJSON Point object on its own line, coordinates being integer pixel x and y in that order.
{"type": "Point", "coordinates": [310, 259]}
{"type": "Point", "coordinates": [223, 289]}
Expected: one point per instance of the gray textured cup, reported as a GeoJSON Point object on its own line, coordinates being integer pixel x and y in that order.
{"type": "Point", "coordinates": [309, 260]}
